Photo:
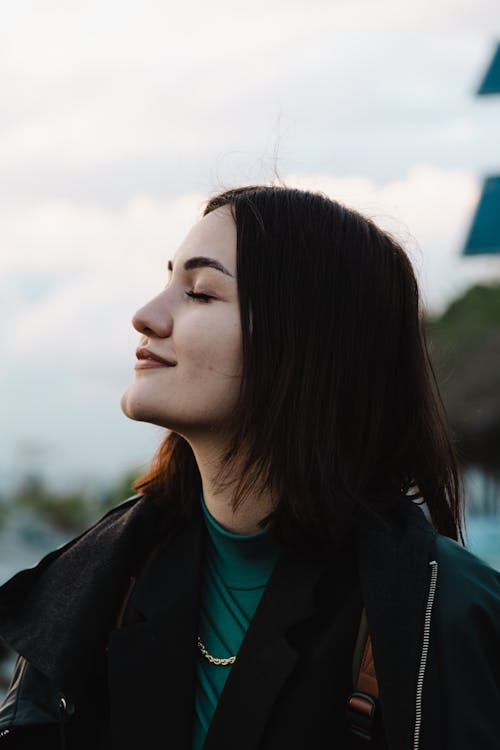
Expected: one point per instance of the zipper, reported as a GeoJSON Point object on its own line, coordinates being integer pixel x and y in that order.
{"type": "Point", "coordinates": [423, 655]}
{"type": "Point", "coordinates": [66, 709]}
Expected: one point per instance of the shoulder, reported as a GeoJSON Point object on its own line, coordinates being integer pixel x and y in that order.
{"type": "Point", "coordinates": [467, 594]}
{"type": "Point", "coordinates": [464, 575]}
{"type": "Point", "coordinates": [466, 623]}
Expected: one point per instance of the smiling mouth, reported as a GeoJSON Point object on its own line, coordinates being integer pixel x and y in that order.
{"type": "Point", "coordinates": [146, 364]}
{"type": "Point", "coordinates": [143, 353]}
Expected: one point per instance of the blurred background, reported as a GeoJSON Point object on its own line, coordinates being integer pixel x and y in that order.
{"type": "Point", "coordinates": [118, 119]}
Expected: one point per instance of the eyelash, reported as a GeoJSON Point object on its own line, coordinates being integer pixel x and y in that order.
{"type": "Point", "coordinates": [202, 297]}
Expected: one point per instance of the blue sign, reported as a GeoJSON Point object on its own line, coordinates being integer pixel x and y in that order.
{"type": "Point", "coordinates": [484, 234]}
{"type": "Point", "coordinates": [491, 81]}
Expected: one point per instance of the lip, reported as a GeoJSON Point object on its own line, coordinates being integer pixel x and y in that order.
{"type": "Point", "coordinates": [146, 364]}
{"type": "Point", "coordinates": [145, 355]}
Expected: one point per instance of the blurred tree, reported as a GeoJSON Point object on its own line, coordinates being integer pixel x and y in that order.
{"type": "Point", "coordinates": [464, 345]}
{"type": "Point", "coordinates": [4, 510]}
{"type": "Point", "coordinates": [67, 512]}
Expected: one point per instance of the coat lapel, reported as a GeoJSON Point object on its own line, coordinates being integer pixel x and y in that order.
{"type": "Point", "coordinates": [266, 658]}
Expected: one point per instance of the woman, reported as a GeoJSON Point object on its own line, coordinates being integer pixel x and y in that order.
{"type": "Point", "coordinates": [222, 606]}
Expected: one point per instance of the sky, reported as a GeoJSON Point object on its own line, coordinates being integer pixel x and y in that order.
{"type": "Point", "coordinates": [119, 119]}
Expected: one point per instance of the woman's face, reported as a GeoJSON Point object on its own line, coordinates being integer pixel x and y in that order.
{"type": "Point", "coordinates": [201, 338]}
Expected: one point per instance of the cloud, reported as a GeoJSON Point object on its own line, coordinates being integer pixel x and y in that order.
{"type": "Point", "coordinates": [108, 83]}
{"type": "Point", "coordinates": [94, 267]}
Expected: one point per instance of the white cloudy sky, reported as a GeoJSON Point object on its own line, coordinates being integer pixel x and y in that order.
{"type": "Point", "coordinates": [117, 119]}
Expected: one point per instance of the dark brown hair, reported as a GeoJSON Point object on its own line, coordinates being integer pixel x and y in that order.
{"type": "Point", "coordinates": [339, 403]}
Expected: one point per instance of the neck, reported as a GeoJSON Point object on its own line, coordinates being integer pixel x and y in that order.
{"type": "Point", "coordinates": [243, 520]}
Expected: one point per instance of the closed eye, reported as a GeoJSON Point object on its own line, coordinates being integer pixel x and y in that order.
{"type": "Point", "coordinates": [201, 297]}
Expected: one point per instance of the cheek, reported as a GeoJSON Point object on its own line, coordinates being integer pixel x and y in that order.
{"type": "Point", "coordinates": [215, 345]}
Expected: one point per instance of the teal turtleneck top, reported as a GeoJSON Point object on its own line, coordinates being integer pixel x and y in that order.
{"type": "Point", "coordinates": [235, 573]}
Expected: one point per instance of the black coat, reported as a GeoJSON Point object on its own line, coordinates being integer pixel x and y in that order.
{"type": "Point", "coordinates": [435, 642]}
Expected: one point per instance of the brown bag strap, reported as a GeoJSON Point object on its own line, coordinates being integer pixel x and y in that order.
{"type": "Point", "coordinates": [367, 682]}
{"type": "Point", "coordinates": [363, 701]}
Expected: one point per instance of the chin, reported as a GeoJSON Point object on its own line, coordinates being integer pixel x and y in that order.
{"type": "Point", "coordinates": [126, 405]}
{"type": "Point", "coordinates": [139, 410]}
{"type": "Point", "coordinates": [134, 408]}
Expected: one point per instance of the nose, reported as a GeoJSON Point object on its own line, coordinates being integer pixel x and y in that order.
{"type": "Point", "coordinates": [154, 318]}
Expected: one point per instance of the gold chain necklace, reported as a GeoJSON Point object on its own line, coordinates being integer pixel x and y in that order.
{"type": "Point", "coordinates": [214, 659]}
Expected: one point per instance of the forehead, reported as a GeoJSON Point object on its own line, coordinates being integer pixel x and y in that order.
{"type": "Point", "coordinates": [214, 235]}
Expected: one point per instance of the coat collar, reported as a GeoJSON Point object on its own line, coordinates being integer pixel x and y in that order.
{"type": "Point", "coordinates": [56, 613]}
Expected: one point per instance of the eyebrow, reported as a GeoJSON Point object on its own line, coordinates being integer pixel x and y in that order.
{"type": "Point", "coordinates": [201, 262]}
